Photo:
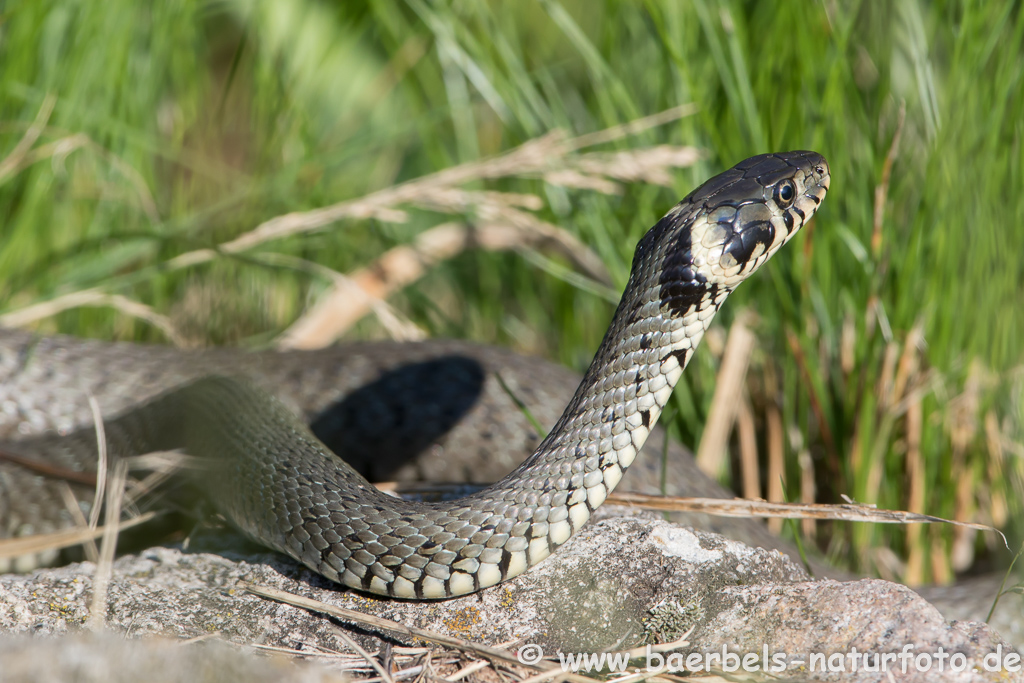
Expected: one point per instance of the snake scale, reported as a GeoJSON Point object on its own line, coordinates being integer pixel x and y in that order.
{"type": "Point", "coordinates": [278, 483]}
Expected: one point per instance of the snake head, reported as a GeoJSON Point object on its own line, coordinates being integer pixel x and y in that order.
{"type": "Point", "coordinates": [777, 194]}
{"type": "Point", "coordinates": [728, 227]}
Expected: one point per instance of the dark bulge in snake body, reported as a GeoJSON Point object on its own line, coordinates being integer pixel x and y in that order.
{"type": "Point", "coordinates": [273, 479]}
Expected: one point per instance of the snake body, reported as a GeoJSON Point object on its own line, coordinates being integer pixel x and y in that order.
{"type": "Point", "coordinates": [280, 485]}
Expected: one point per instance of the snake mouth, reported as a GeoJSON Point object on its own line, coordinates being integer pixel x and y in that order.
{"type": "Point", "coordinates": [817, 179]}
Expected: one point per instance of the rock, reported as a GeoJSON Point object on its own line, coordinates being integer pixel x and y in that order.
{"type": "Point", "coordinates": [108, 658]}
{"type": "Point", "coordinates": [620, 583]}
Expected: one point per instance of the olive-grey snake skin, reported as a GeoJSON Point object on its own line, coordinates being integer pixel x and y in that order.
{"type": "Point", "coordinates": [281, 486]}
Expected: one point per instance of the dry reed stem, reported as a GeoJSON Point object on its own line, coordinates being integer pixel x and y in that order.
{"type": "Point", "coordinates": [914, 573]}
{"type": "Point", "coordinates": [848, 345]}
{"type": "Point", "coordinates": [998, 509]}
{"type": "Point", "coordinates": [749, 467]}
{"type": "Point", "coordinates": [962, 412]}
{"type": "Point", "coordinates": [962, 555]}
{"type": "Point", "coordinates": [819, 413]}
{"type": "Point", "coordinates": [776, 442]}
{"type": "Point", "coordinates": [886, 378]}
{"type": "Point", "coordinates": [712, 452]}
{"type": "Point", "coordinates": [875, 462]}
{"type": "Point", "coordinates": [904, 395]}
{"type": "Point", "coordinates": [942, 570]}
{"type": "Point", "coordinates": [808, 491]}
{"type": "Point", "coordinates": [909, 363]}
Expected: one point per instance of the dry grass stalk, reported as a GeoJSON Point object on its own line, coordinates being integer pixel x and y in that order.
{"type": "Point", "coordinates": [633, 127]}
{"type": "Point", "coordinates": [12, 163]}
{"type": "Point", "coordinates": [351, 297]}
{"type": "Point", "coordinates": [468, 670]}
{"type": "Point", "coordinates": [394, 322]}
{"type": "Point", "coordinates": [490, 653]}
{"type": "Point", "coordinates": [101, 463]}
{"type": "Point", "coordinates": [593, 171]}
{"type": "Point", "coordinates": [92, 552]}
{"type": "Point", "coordinates": [532, 157]}
{"type": "Point", "coordinates": [23, 155]}
{"type": "Point", "coordinates": [344, 661]}
{"type": "Point", "coordinates": [57, 540]}
{"type": "Point", "coordinates": [882, 189]}
{"type": "Point", "coordinates": [712, 451]}
{"type": "Point", "coordinates": [91, 297]}
{"type": "Point", "coordinates": [439, 191]}
{"type": "Point", "coordinates": [105, 565]}
{"type": "Point", "coordinates": [496, 656]}
{"type": "Point", "coordinates": [160, 465]}
{"type": "Point", "coordinates": [372, 661]}
{"type": "Point", "coordinates": [725, 507]}
{"type": "Point", "coordinates": [738, 507]}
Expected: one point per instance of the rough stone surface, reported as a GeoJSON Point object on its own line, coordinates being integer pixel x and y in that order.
{"type": "Point", "coordinates": [615, 584]}
{"type": "Point", "coordinates": [109, 658]}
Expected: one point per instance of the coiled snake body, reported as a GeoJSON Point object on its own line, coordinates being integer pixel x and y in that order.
{"type": "Point", "coordinates": [276, 482]}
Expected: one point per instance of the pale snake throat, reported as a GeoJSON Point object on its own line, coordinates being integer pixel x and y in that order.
{"type": "Point", "coordinates": [271, 477]}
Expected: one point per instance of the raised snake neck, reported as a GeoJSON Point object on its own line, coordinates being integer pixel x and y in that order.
{"type": "Point", "coordinates": [277, 483]}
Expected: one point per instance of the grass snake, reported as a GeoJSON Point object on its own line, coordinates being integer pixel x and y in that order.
{"type": "Point", "coordinates": [269, 475]}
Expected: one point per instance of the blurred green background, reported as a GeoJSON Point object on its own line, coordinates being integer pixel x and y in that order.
{"type": "Point", "coordinates": [889, 334]}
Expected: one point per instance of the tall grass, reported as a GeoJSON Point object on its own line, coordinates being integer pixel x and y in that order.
{"type": "Point", "coordinates": [180, 125]}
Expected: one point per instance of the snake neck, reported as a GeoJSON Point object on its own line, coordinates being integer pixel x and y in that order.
{"type": "Point", "coordinates": [656, 328]}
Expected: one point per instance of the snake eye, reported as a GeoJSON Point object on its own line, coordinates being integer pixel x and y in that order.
{"type": "Point", "coordinates": [785, 193]}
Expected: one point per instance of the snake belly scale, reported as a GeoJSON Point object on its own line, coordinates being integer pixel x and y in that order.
{"type": "Point", "coordinates": [267, 473]}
